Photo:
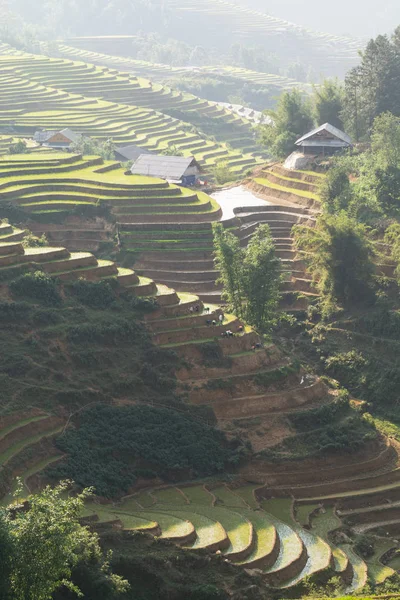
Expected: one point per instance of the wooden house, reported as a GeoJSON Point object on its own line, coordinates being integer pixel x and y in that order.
{"type": "Point", "coordinates": [325, 140]}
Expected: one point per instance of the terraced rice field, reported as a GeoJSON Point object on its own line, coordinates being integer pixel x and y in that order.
{"type": "Point", "coordinates": [211, 516]}
{"type": "Point", "coordinates": [327, 53]}
{"type": "Point", "coordinates": [225, 21]}
{"type": "Point", "coordinates": [100, 102]}
{"type": "Point", "coordinates": [130, 87]}
{"type": "Point", "coordinates": [268, 83]}
{"type": "Point", "coordinates": [74, 50]}
{"type": "Point", "coordinates": [267, 538]}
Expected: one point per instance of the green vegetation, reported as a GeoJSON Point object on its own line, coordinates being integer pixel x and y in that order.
{"type": "Point", "coordinates": [43, 545]}
{"type": "Point", "coordinates": [37, 286]}
{"type": "Point", "coordinates": [372, 87]}
{"type": "Point", "coordinates": [115, 110]}
{"type": "Point", "coordinates": [339, 256]}
{"type": "Point", "coordinates": [328, 103]}
{"type": "Point", "coordinates": [291, 119]}
{"type": "Point", "coordinates": [113, 444]}
{"type": "Point", "coordinates": [89, 147]}
{"type": "Point", "coordinates": [222, 173]}
{"type": "Point", "coordinates": [250, 276]}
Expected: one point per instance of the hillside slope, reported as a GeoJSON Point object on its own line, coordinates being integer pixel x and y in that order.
{"type": "Point", "coordinates": [28, 105]}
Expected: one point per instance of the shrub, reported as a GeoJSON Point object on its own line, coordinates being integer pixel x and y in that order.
{"type": "Point", "coordinates": [32, 241]}
{"type": "Point", "coordinates": [18, 148]}
{"type": "Point", "coordinates": [107, 330]}
{"type": "Point", "coordinates": [220, 384]}
{"type": "Point", "coordinates": [365, 545]}
{"type": "Point", "coordinates": [319, 417]}
{"type": "Point", "coordinates": [270, 377]}
{"type": "Point", "coordinates": [37, 286]}
{"type": "Point", "coordinates": [213, 355]}
{"type": "Point", "coordinates": [96, 294]}
{"type": "Point", "coordinates": [222, 173]}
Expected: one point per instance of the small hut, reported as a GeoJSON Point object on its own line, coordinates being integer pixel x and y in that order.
{"type": "Point", "coordinates": [176, 169]}
{"type": "Point", "coordinates": [56, 139]}
{"type": "Point", "coordinates": [325, 140]}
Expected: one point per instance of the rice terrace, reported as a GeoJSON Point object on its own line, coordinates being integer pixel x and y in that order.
{"type": "Point", "coordinates": [199, 303]}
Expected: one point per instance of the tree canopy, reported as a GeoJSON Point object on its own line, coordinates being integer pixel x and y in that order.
{"type": "Point", "coordinates": [43, 542]}
{"type": "Point", "coordinates": [250, 276]}
{"type": "Point", "coordinates": [339, 256]}
{"type": "Point", "coordinates": [328, 103]}
{"type": "Point", "coordinates": [290, 120]}
{"type": "Point", "coordinates": [373, 87]}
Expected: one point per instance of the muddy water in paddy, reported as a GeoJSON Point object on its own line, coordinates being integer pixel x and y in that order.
{"type": "Point", "coordinates": [236, 197]}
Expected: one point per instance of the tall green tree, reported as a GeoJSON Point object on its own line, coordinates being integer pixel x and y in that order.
{"type": "Point", "coordinates": [261, 279]}
{"type": "Point", "coordinates": [392, 238]}
{"type": "Point", "coordinates": [373, 87]}
{"type": "Point", "coordinates": [339, 257]}
{"type": "Point", "coordinates": [291, 119]}
{"type": "Point", "coordinates": [336, 192]}
{"type": "Point", "coordinates": [229, 262]}
{"type": "Point", "coordinates": [385, 140]}
{"type": "Point", "coordinates": [48, 542]}
{"type": "Point", "coordinates": [250, 276]}
{"type": "Point", "coordinates": [329, 102]}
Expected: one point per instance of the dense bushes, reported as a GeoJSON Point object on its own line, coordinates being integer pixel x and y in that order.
{"type": "Point", "coordinates": [37, 286]}
{"type": "Point", "coordinates": [96, 294]}
{"type": "Point", "coordinates": [109, 329]}
{"type": "Point", "coordinates": [347, 435]}
{"type": "Point", "coordinates": [111, 443]}
{"type": "Point", "coordinates": [339, 255]}
{"type": "Point", "coordinates": [321, 416]}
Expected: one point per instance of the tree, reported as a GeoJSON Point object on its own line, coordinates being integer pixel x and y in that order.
{"type": "Point", "coordinates": [229, 262]}
{"type": "Point", "coordinates": [48, 542]}
{"type": "Point", "coordinates": [339, 256]}
{"type": "Point", "coordinates": [385, 139]}
{"type": "Point", "coordinates": [222, 173]}
{"type": "Point", "coordinates": [19, 147]}
{"type": "Point", "coordinates": [387, 189]}
{"type": "Point", "coordinates": [373, 87]}
{"type": "Point", "coordinates": [261, 279]}
{"type": "Point", "coordinates": [87, 146]}
{"type": "Point", "coordinates": [336, 190]}
{"type": "Point", "coordinates": [375, 188]}
{"type": "Point", "coordinates": [250, 277]}
{"type": "Point", "coordinates": [392, 238]}
{"type": "Point", "coordinates": [352, 113]}
{"type": "Point", "coordinates": [328, 103]}
{"type": "Point", "coordinates": [172, 151]}
{"type": "Point", "coordinates": [291, 119]}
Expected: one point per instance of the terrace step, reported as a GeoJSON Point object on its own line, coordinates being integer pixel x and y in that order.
{"type": "Point", "coordinates": [13, 248]}
{"type": "Point", "coordinates": [19, 441]}
{"type": "Point", "coordinates": [181, 308]}
{"type": "Point", "coordinates": [144, 287]}
{"type": "Point", "coordinates": [194, 333]}
{"type": "Point", "coordinates": [267, 543]}
{"type": "Point", "coordinates": [319, 557]}
{"type": "Point", "coordinates": [284, 402]}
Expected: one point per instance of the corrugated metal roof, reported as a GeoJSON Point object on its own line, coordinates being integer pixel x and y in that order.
{"type": "Point", "coordinates": [341, 135]}
{"type": "Point", "coordinates": [166, 167]}
{"type": "Point", "coordinates": [43, 136]}
{"type": "Point", "coordinates": [71, 135]}
{"type": "Point", "coordinates": [131, 152]}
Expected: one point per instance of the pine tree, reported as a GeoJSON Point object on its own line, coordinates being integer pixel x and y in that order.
{"type": "Point", "coordinates": [328, 103]}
